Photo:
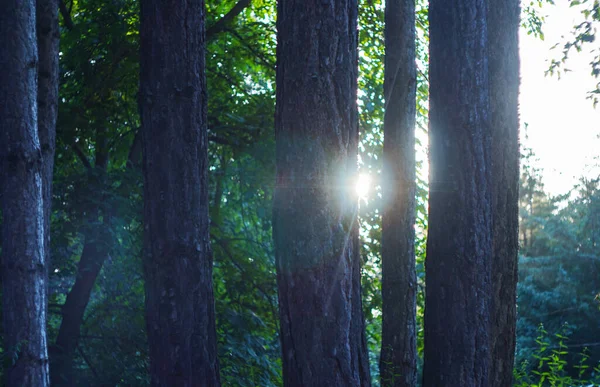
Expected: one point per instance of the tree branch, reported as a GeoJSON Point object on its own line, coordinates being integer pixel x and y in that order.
{"type": "Point", "coordinates": [88, 362]}
{"type": "Point", "coordinates": [135, 150]}
{"type": "Point", "coordinates": [260, 56]}
{"type": "Point", "coordinates": [66, 14]}
{"type": "Point", "coordinates": [82, 156]}
{"type": "Point", "coordinates": [222, 23]}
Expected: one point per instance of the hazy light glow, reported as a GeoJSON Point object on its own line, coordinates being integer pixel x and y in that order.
{"type": "Point", "coordinates": [363, 185]}
{"type": "Point", "coordinates": [562, 124]}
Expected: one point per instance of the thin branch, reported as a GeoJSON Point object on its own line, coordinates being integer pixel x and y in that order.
{"type": "Point", "coordinates": [66, 14]}
{"type": "Point", "coordinates": [224, 141]}
{"type": "Point", "coordinates": [135, 150]}
{"type": "Point", "coordinates": [259, 55]}
{"type": "Point", "coordinates": [88, 362]}
{"type": "Point", "coordinates": [243, 272]}
{"type": "Point", "coordinates": [580, 345]}
{"type": "Point", "coordinates": [81, 156]}
{"type": "Point", "coordinates": [225, 20]}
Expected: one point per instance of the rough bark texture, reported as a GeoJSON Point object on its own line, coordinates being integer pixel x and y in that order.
{"type": "Point", "coordinates": [459, 246]}
{"type": "Point", "coordinates": [315, 226]}
{"type": "Point", "coordinates": [398, 362]}
{"type": "Point", "coordinates": [503, 31]}
{"type": "Point", "coordinates": [48, 37]}
{"type": "Point", "coordinates": [23, 264]}
{"type": "Point", "coordinates": [180, 315]}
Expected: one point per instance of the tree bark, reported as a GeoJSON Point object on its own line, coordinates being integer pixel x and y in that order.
{"type": "Point", "coordinates": [398, 362]}
{"type": "Point", "coordinates": [180, 314]}
{"type": "Point", "coordinates": [23, 265]}
{"type": "Point", "coordinates": [48, 37]}
{"type": "Point", "coordinates": [459, 245]}
{"type": "Point", "coordinates": [504, 85]}
{"type": "Point", "coordinates": [314, 216]}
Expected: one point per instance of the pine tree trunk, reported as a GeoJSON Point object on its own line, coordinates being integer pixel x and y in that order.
{"type": "Point", "coordinates": [48, 37]}
{"type": "Point", "coordinates": [459, 245]}
{"type": "Point", "coordinates": [23, 264]}
{"type": "Point", "coordinates": [504, 84]}
{"type": "Point", "coordinates": [314, 216]}
{"type": "Point", "coordinates": [180, 315]}
{"type": "Point", "coordinates": [398, 362]}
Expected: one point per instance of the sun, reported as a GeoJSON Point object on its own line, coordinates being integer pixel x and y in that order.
{"type": "Point", "coordinates": [363, 185]}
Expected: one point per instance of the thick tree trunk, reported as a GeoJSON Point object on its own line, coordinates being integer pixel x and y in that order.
{"type": "Point", "coordinates": [503, 32]}
{"type": "Point", "coordinates": [180, 315]}
{"type": "Point", "coordinates": [315, 226]}
{"type": "Point", "coordinates": [23, 266]}
{"type": "Point", "coordinates": [459, 245]}
{"type": "Point", "coordinates": [398, 362]}
{"type": "Point", "coordinates": [48, 36]}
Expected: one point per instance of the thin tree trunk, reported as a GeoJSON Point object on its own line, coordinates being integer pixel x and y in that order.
{"type": "Point", "coordinates": [504, 85]}
{"type": "Point", "coordinates": [314, 216]}
{"type": "Point", "coordinates": [180, 314]}
{"type": "Point", "coordinates": [459, 245]}
{"type": "Point", "coordinates": [95, 252]}
{"type": "Point", "coordinates": [23, 266]}
{"type": "Point", "coordinates": [97, 240]}
{"type": "Point", "coordinates": [398, 362]}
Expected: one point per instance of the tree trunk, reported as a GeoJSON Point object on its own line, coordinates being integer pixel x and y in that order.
{"type": "Point", "coordinates": [398, 362]}
{"type": "Point", "coordinates": [48, 37]}
{"type": "Point", "coordinates": [314, 215]}
{"type": "Point", "coordinates": [95, 252]}
{"type": "Point", "coordinates": [504, 84]}
{"type": "Point", "coordinates": [459, 245]}
{"type": "Point", "coordinates": [180, 314]}
{"type": "Point", "coordinates": [24, 283]}
{"type": "Point", "coordinates": [97, 241]}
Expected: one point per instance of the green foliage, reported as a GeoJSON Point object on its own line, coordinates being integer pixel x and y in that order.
{"type": "Point", "coordinates": [559, 267]}
{"type": "Point", "coordinates": [550, 364]}
{"type": "Point", "coordinates": [531, 20]}
{"type": "Point", "coordinates": [98, 196]}
{"type": "Point", "coordinates": [97, 189]}
{"type": "Point", "coordinates": [583, 36]}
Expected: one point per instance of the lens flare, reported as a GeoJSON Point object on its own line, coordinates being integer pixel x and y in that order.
{"type": "Point", "coordinates": [363, 185]}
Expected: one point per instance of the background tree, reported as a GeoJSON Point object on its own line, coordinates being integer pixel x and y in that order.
{"type": "Point", "coordinates": [314, 216]}
{"type": "Point", "coordinates": [24, 271]}
{"type": "Point", "coordinates": [98, 145]}
{"type": "Point", "coordinates": [180, 314]}
{"type": "Point", "coordinates": [535, 207]}
{"type": "Point", "coordinates": [459, 244]}
{"type": "Point", "coordinates": [503, 42]}
{"type": "Point", "coordinates": [398, 362]}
